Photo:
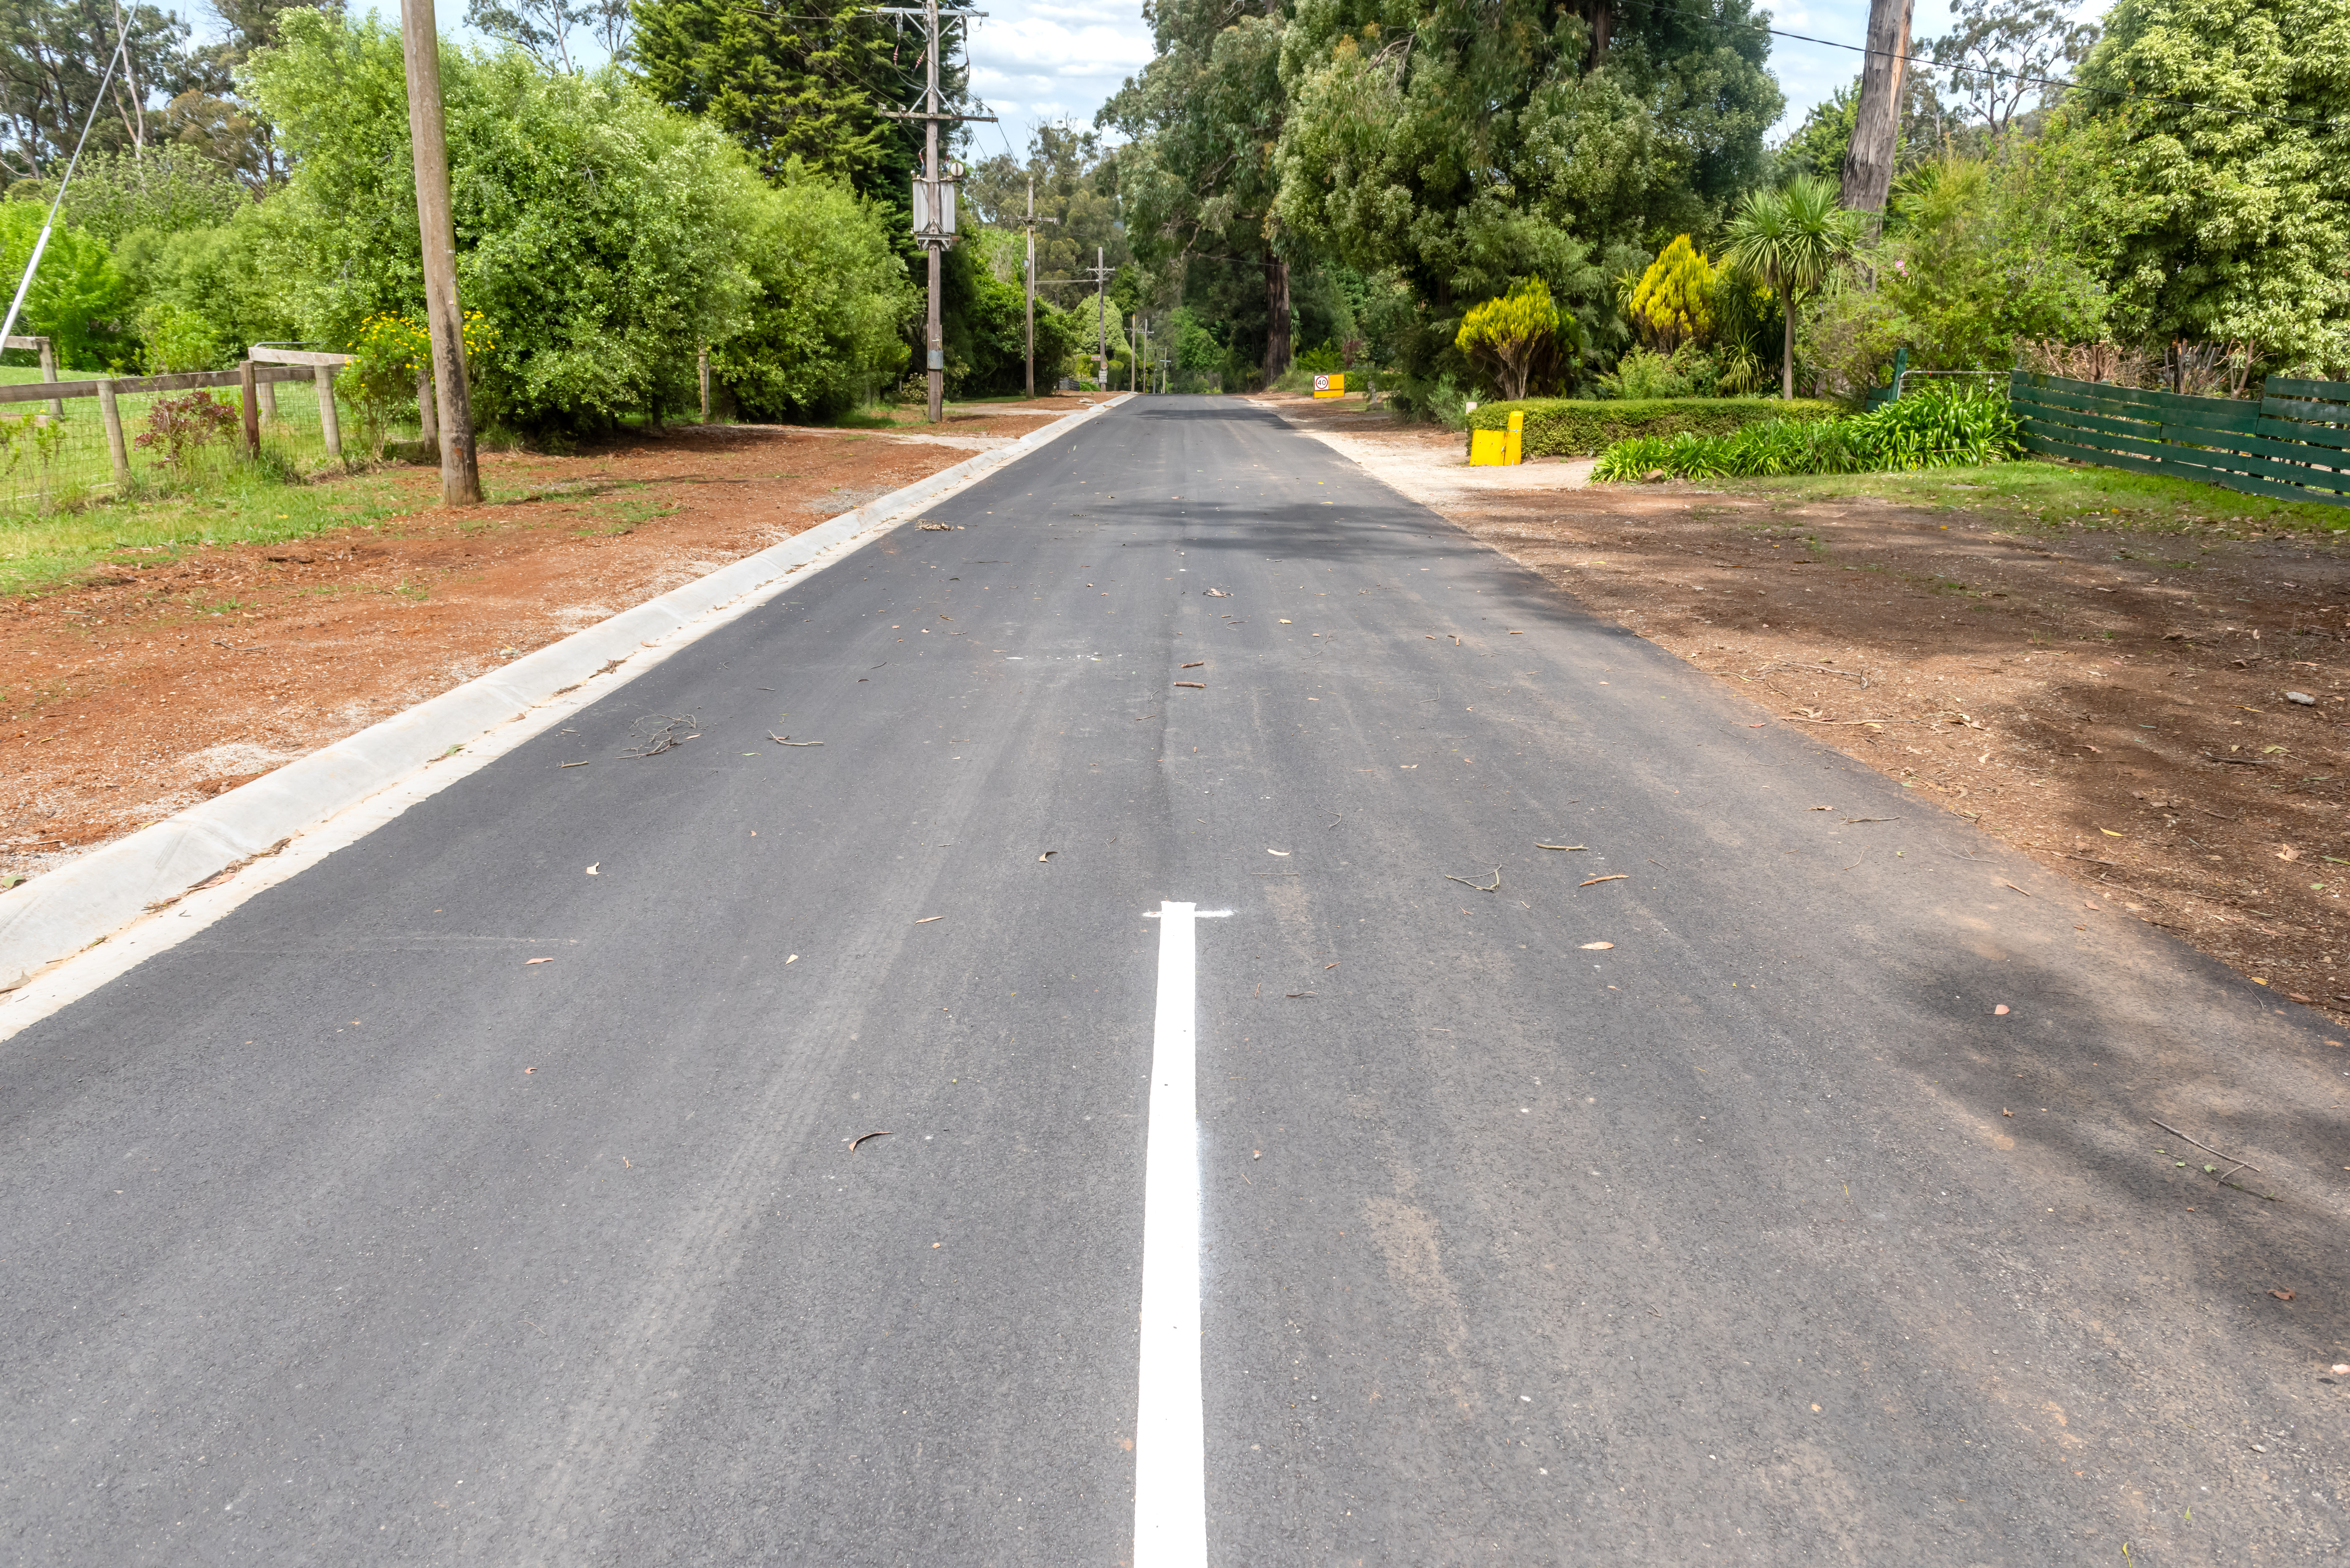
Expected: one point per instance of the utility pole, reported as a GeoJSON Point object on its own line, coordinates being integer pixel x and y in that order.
{"type": "Point", "coordinates": [1100, 275]}
{"type": "Point", "coordinates": [1029, 277]}
{"type": "Point", "coordinates": [1032, 220]}
{"type": "Point", "coordinates": [428, 135]}
{"type": "Point", "coordinates": [934, 190]}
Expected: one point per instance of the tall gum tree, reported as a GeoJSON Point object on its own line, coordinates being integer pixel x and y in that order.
{"type": "Point", "coordinates": [1205, 116]}
{"type": "Point", "coordinates": [1461, 143]}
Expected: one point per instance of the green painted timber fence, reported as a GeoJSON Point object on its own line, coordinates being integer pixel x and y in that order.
{"type": "Point", "coordinates": [2293, 444]}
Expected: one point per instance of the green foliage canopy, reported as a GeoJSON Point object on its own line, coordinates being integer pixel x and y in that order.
{"type": "Point", "coordinates": [78, 298]}
{"type": "Point", "coordinates": [821, 326]}
{"type": "Point", "coordinates": [794, 81]}
{"type": "Point", "coordinates": [597, 232]}
{"type": "Point", "coordinates": [2231, 220]}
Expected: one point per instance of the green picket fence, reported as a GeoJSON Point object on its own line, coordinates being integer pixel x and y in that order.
{"type": "Point", "coordinates": [2293, 444]}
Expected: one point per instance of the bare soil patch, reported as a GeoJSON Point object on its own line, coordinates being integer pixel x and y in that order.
{"type": "Point", "coordinates": [153, 684]}
{"type": "Point", "coordinates": [2114, 702]}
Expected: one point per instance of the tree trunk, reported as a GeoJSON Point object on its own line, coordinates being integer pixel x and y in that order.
{"type": "Point", "coordinates": [1787, 352]}
{"type": "Point", "coordinates": [1600, 16]}
{"type": "Point", "coordinates": [1868, 166]}
{"type": "Point", "coordinates": [1276, 304]}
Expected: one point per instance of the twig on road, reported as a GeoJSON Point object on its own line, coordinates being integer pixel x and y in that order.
{"type": "Point", "coordinates": [657, 733]}
{"type": "Point", "coordinates": [2199, 1143]}
{"type": "Point", "coordinates": [1479, 887]}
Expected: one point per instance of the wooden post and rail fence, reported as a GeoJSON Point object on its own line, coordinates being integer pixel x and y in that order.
{"type": "Point", "coordinates": [256, 378]}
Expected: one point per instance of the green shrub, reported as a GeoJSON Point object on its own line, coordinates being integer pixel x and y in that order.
{"type": "Point", "coordinates": [1642, 376]}
{"type": "Point", "coordinates": [77, 295]}
{"type": "Point", "coordinates": [1932, 428]}
{"type": "Point", "coordinates": [1574, 427]}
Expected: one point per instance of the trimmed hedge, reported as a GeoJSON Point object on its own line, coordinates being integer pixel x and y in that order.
{"type": "Point", "coordinates": [1584, 426]}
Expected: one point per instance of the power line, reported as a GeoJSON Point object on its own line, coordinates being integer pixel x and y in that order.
{"type": "Point", "coordinates": [1988, 71]}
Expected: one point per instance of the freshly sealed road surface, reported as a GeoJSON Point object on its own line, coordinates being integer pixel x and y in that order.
{"type": "Point", "coordinates": [1280, 1155]}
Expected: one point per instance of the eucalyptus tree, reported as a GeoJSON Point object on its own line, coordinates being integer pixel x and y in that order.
{"type": "Point", "coordinates": [1460, 143]}
{"type": "Point", "coordinates": [1197, 178]}
{"type": "Point", "coordinates": [54, 66]}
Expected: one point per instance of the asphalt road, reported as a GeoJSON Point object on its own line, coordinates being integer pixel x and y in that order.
{"type": "Point", "coordinates": [1762, 1235]}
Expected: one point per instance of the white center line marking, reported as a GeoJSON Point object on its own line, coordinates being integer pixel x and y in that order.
{"type": "Point", "coordinates": [1171, 1465]}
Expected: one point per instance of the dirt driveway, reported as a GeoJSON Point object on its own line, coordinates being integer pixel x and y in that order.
{"type": "Point", "coordinates": [168, 675]}
{"type": "Point", "coordinates": [2117, 690]}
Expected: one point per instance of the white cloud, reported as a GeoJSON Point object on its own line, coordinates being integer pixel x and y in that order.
{"type": "Point", "coordinates": [1045, 61]}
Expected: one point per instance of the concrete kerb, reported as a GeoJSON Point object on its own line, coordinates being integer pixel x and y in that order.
{"type": "Point", "coordinates": [56, 916]}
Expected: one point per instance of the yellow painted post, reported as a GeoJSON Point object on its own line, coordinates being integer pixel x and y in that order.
{"type": "Point", "coordinates": [1488, 448]}
{"type": "Point", "coordinates": [1517, 443]}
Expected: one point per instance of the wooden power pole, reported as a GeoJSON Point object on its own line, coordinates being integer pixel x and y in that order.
{"type": "Point", "coordinates": [1029, 278]}
{"type": "Point", "coordinates": [1100, 275]}
{"type": "Point", "coordinates": [934, 190]}
{"type": "Point", "coordinates": [428, 135]}
{"type": "Point", "coordinates": [1877, 119]}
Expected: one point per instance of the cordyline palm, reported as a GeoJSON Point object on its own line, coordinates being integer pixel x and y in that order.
{"type": "Point", "coordinates": [1787, 240]}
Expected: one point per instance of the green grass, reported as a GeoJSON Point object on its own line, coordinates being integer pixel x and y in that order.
{"type": "Point", "coordinates": [241, 505]}
{"type": "Point", "coordinates": [2056, 495]}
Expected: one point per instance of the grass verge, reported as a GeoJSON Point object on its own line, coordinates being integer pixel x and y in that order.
{"type": "Point", "coordinates": [2064, 495]}
{"type": "Point", "coordinates": [243, 504]}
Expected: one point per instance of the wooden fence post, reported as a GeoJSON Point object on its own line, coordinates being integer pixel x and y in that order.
{"type": "Point", "coordinates": [248, 383]}
{"type": "Point", "coordinates": [705, 384]}
{"type": "Point", "coordinates": [269, 401]}
{"type": "Point", "coordinates": [329, 425]}
{"type": "Point", "coordinates": [49, 373]}
{"type": "Point", "coordinates": [115, 448]}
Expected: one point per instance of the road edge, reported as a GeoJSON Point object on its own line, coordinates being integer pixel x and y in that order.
{"type": "Point", "coordinates": [54, 916]}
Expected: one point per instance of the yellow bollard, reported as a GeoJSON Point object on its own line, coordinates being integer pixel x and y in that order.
{"type": "Point", "coordinates": [1516, 452]}
{"type": "Point", "coordinates": [1488, 448]}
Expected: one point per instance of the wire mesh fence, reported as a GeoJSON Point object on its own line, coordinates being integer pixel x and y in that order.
{"type": "Point", "coordinates": [55, 454]}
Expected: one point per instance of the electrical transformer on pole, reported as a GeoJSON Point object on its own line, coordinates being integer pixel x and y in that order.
{"type": "Point", "coordinates": [934, 186]}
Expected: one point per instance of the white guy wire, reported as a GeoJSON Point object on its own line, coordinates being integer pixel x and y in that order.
{"type": "Point", "coordinates": [25, 284]}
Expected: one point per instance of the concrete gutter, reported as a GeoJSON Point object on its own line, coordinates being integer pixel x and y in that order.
{"type": "Point", "coordinates": [55, 915]}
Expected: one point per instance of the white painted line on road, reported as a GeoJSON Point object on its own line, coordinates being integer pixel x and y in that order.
{"type": "Point", "coordinates": [1170, 1463]}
